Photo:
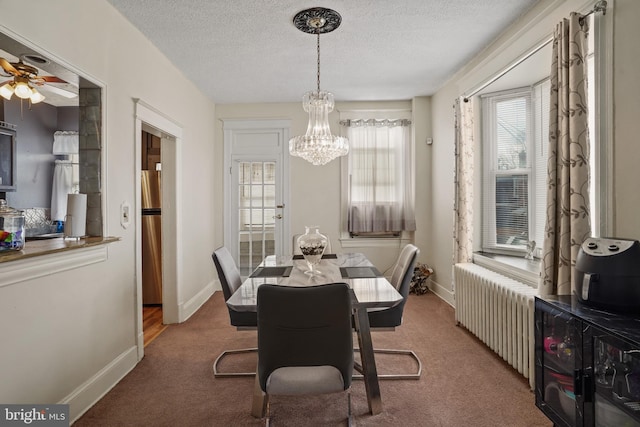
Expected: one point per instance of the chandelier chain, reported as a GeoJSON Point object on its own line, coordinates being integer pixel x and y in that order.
{"type": "Point", "coordinates": [318, 61]}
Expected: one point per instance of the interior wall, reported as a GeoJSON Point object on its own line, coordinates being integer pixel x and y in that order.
{"type": "Point", "coordinates": [71, 335]}
{"type": "Point", "coordinates": [68, 119]}
{"type": "Point", "coordinates": [423, 144]}
{"type": "Point", "coordinates": [35, 161]}
{"type": "Point", "coordinates": [626, 105]}
{"type": "Point", "coordinates": [527, 32]}
{"type": "Point", "coordinates": [315, 190]}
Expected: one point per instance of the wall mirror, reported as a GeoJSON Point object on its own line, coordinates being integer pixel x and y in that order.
{"type": "Point", "coordinates": [53, 154]}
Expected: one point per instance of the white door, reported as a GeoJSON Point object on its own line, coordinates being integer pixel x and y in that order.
{"type": "Point", "coordinates": [256, 192]}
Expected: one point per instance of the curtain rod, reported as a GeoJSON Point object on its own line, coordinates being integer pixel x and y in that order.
{"type": "Point", "coordinates": [374, 122]}
{"type": "Point", "coordinates": [509, 68]}
{"type": "Point", "coordinates": [600, 6]}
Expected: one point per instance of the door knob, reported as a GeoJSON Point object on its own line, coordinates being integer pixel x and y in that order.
{"type": "Point", "coordinates": [279, 216]}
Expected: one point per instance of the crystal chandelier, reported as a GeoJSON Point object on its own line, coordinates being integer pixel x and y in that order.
{"type": "Point", "coordinates": [317, 145]}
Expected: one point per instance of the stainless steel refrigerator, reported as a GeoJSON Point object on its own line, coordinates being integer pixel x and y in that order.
{"type": "Point", "coordinates": [151, 237]}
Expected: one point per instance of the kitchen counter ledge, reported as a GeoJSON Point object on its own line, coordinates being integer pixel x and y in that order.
{"type": "Point", "coordinates": [36, 248]}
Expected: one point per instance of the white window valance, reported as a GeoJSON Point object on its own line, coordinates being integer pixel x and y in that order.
{"type": "Point", "coordinates": [65, 142]}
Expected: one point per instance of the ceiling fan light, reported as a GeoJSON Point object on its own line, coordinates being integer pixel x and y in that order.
{"type": "Point", "coordinates": [6, 91]}
{"type": "Point", "coordinates": [36, 96]}
{"type": "Point", "coordinates": [22, 90]}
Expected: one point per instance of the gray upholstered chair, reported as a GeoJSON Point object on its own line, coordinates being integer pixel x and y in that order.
{"type": "Point", "coordinates": [230, 280]}
{"type": "Point", "coordinates": [390, 318]}
{"type": "Point", "coordinates": [296, 248]}
{"type": "Point", "coordinates": [305, 341]}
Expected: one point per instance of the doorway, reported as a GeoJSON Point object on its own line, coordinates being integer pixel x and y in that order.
{"type": "Point", "coordinates": [151, 211]}
{"type": "Point", "coordinates": [150, 121]}
{"type": "Point", "coordinates": [256, 190]}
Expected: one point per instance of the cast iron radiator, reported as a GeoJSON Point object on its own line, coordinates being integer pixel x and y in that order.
{"type": "Point", "coordinates": [499, 311]}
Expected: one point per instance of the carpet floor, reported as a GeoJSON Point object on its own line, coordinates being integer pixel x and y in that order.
{"type": "Point", "coordinates": [463, 382]}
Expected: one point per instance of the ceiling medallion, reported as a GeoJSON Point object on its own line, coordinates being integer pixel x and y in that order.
{"type": "Point", "coordinates": [317, 20]}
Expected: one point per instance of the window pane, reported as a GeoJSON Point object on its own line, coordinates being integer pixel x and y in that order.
{"type": "Point", "coordinates": [512, 210]}
{"type": "Point", "coordinates": [540, 158]}
{"type": "Point", "coordinates": [511, 133]}
{"type": "Point", "coordinates": [510, 167]}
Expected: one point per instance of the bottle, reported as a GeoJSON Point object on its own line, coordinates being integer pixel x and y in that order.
{"type": "Point", "coordinates": [563, 349]}
{"type": "Point", "coordinates": [11, 228]}
{"type": "Point", "coordinates": [312, 245]}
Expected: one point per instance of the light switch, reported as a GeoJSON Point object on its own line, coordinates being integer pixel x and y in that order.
{"type": "Point", "coordinates": [125, 214]}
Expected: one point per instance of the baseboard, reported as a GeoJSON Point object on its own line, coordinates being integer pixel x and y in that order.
{"type": "Point", "coordinates": [188, 308]}
{"type": "Point", "coordinates": [94, 389]}
{"type": "Point", "coordinates": [443, 293]}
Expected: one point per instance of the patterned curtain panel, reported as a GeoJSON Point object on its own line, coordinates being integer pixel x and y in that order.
{"type": "Point", "coordinates": [568, 219]}
{"type": "Point", "coordinates": [463, 183]}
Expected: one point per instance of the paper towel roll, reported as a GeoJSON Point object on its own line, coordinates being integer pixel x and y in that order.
{"type": "Point", "coordinates": [75, 222]}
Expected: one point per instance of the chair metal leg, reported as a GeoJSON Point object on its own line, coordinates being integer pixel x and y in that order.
{"type": "Point", "coordinates": [410, 376]}
{"type": "Point", "coordinates": [267, 411]}
{"type": "Point", "coordinates": [259, 400]}
{"type": "Point", "coordinates": [350, 419]}
{"type": "Point", "coordinates": [225, 353]}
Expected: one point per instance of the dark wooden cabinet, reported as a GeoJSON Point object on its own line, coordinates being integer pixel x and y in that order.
{"type": "Point", "coordinates": [587, 364]}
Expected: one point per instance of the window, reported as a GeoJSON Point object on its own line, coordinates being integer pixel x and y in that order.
{"type": "Point", "coordinates": [515, 145]}
{"type": "Point", "coordinates": [515, 140]}
{"type": "Point", "coordinates": [379, 177]}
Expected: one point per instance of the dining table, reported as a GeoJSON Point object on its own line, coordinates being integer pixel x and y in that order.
{"type": "Point", "coordinates": [370, 289]}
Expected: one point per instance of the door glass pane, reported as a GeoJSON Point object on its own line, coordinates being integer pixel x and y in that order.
{"type": "Point", "coordinates": [244, 219]}
{"type": "Point", "coordinates": [256, 208]}
{"type": "Point", "coordinates": [256, 195]}
{"type": "Point", "coordinates": [244, 196]}
{"type": "Point", "coordinates": [244, 173]}
{"type": "Point", "coordinates": [269, 173]}
{"type": "Point", "coordinates": [269, 219]}
{"type": "Point", "coordinates": [270, 196]}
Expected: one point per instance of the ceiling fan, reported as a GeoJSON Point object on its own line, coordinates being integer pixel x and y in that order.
{"type": "Point", "coordinates": [24, 77]}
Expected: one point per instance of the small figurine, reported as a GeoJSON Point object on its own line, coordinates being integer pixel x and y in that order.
{"type": "Point", "coordinates": [531, 246]}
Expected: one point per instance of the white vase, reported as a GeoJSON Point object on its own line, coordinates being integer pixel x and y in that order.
{"type": "Point", "coordinates": [312, 245]}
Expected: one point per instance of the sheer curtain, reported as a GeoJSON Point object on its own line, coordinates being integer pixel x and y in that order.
{"type": "Point", "coordinates": [65, 143]}
{"type": "Point", "coordinates": [568, 216]}
{"type": "Point", "coordinates": [62, 185]}
{"type": "Point", "coordinates": [463, 182]}
{"type": "Point", "coordinates": [380, 171]}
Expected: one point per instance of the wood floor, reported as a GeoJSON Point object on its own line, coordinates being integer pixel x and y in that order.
{"type": "Point", "coordinates": [152, 322]}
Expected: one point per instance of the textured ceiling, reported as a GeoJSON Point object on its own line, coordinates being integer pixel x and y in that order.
{"type": "Point", "coordinates": [241, 51]}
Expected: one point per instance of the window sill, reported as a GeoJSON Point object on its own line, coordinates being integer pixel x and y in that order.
{"type": "Point", "coordinates": [517, 268]}
{"type": "Point", "coordinates": [373, 242]}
